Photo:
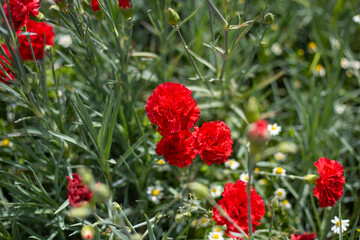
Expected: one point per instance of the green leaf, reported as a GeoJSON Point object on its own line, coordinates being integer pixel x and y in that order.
{"type": "Point", "coordinates": [64, 205]}
{"type": "Point", "coordinates": [150, 229]}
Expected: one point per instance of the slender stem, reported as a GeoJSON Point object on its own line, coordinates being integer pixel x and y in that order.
{"type": "Point", "coordinates": [271, 223]}
{"type": "Point", "coordinates": [176, 27]}
{"type": "Point", "coordinates": [248, 193]}
{"type": "Point", "coordinates": [340, 222]}
{"type": "Point", "coordinates": [224, 64]}
{"type": "Point", "coordinates": [276, 175]}
{"type": "Point", "coordinates": [316, 214]}
{"type": "Point", "coordinates": [245, 5]}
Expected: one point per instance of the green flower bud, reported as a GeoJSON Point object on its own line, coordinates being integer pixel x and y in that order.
{"type": "Point", "coordinates": [274, 203]}
{"type": "Point", "coordinates": [87, 232]}
{"type": "Point", "coordinates": [86, 176]}
{"type": "Point", "coordinates": [101, 192]}
{"type": "Point", "coordinates": [80, 212]}
{"type": "Point", "coordinates": [54, 11]}
{"type": "Point", "coordinates": [172, 17]}
{"type": "Point", "coordinates": [199, 189]}
{"type": "Point", "coordinates": [310, 178]}
{"type": "Point", "coordinates": [39, 18]}
{"type": "Point", "coordinates": [269, 18]}
{"type": "Point", "coordinates": [287, 147]}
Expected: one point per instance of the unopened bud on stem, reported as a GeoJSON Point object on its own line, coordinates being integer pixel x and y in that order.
{"type": "Point", "coordinates": [269, 18]}
{"type": "Point", "coordinates": [172, 17]}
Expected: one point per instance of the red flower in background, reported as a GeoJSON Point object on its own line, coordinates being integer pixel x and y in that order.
{"type": "Point", "coordinates": [4, 59]}
{"type": "Point", "coordinates": [20, 11]}
{"type": "Point", "coordinates": [124, 4]}
{"type": "Point", "coordinates": [95, 5]}
{"type": "Point", "coordinates": [214, 143]}
{"type": "Point", "coordinates": [177, 149]}
{"type": "Point", "coordinates": [258, 131]}
{"type": "Point", "coordinates": [172, 108]}
{"type": "Point", "coordinates": [304, 236]}
{"type": "Point", "coordinates": [42, 33]}
{"type": "Point", "coordinates": [234, 202]}
{"type": "Point", "coordinates": [329, 186]}
{"type": "Point", "coordinates": [78, 192]}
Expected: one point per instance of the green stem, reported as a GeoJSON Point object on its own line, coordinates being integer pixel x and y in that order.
{"type": "Point", "coordinates": [316, 215]}
{"type": "Point", "coordinates": [248, 192]}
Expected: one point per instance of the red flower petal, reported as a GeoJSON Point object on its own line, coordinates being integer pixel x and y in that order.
{"type": "Point", "coordinates": [329, 186]}
{"type": "Point", "coordinates": [78, 192]}
{"type": "Point", "coordinates": [20, 10]}
{"type": "Point", "coordinates": [304, 236]}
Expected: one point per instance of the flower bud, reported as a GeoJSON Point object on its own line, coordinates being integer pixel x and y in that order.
{"type": "Point", "coordinates": [86, 176]}
{"type": "Point", "coordinates": [80, 212]}
{"type": "Point", "coordinates": [269, 18]}
{"type": "Point", "coordinates": [87, 232]}
{"type": "Point", "coordinates": [274, 203]}
{"type": "Point", "coordinates": [252, 110]}
{"type": "Point", "coordinates": [199, 189]}
{"type": "Point", "coordinates": [287, 147]}
{"type": "Point", "coordinates": [172, 17]}
{"type": "Point", "coordinates": [39, 18]}
{"type": "Point", "coordinates": [54, 11]}
{"type": "Point", "coordinates": [310, 178]}
{"type": "Point", "coordinates": [128, 13]}
{"type": "Point", "coordinates": [257, 132]}
{"type": "Point", "coordinates": [101, 192]}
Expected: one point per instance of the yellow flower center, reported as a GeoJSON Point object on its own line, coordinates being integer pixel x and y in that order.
{"type": "Point", "coordinates": [217, 229]}
{"type": "Point", "coordinates": [231, 162]}
{"type": "Point", "coordinates": [155, 192]}
{"type": "Point", "coordinates": [246, 178]}
{"type": "Point", "coordinates": [301, 52]}
{"type": "Point", "coordinates": [279, 156]}
{"type": "Point", "coordinates": [279, 170]}
{"type": "Point", "coordinates": [280, 194]}
{"type": "Point", "coordinates": [214, 190]}
{"type": "Point", "coordinates": [273, 128]}
{"type": "Point", "coordinates": [204, 220]}
{"type": "Point", "coordinates": [338, 223]}
{"type": "Point", "coordinates": [285, 202]}
{"type": "Point", "coordinates": [6, 142]}
{"type": "Point", "coordinates": [319, 67]}
{"type": "Point", "coordinates": [216, 236]}
{"type": "Point", "coordinates": [161, 162]}
{"type": "Point", "coordinates": [257, 169]}
{"type": "Point", "coordinates": [312, 45]}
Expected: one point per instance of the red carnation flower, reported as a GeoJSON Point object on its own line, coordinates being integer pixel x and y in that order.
{"type": "Point", "coordinates": [124, 4]}
{"type": "Point", "coordinates": [20, 10]}
{"type": "Point", "coordinates": [258, 131]}
{"type": "Point", "coordinates": [78, 192]}
{"type": "Point", "coordinates": [214, 143]}
{"type": "Point", "coordinates": [177, 149]}
{"type": "Point", "coordinates": [172, 108]}
{"type": "Point", "coordinates": [3, 61]}
{"type": "Point", "coordinates": [304, 236]}
{"type": "Point", "coordinates": [42, 33]}
{"type": "Point", "coordinates": [234, 203]}
{"type": "Point", "coordinates": [329, 186]}
{"type": "Point", "coordinates": [95, 5]}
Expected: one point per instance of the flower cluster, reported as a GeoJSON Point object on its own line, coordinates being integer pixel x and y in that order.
{"type": "Point", "coordinates": [172, 108]}
{"type": "Point", "coordinates": [234, 203]}
{"type": "Point", "coordinates": [329, 186]}
{"type": "Point", "coordinates": [78, 192]}
{"type": "Point", "coordinates": [20, 11]}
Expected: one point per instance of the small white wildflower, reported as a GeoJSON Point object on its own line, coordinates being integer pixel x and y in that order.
{"type": "Point", "coordinates": [216, 236]}
{"type": "Point", "coordinates": [280, 156]}
{"type": "Point", "coordinates": [155, 193]}
{"type": "Point", "coordinates": [340, 108]}
{"type": "Point", "coordinates": [312, 47]}
{"type": "Point", "coordinates": [355, 65]}
{"type": "Point", "coordinates": [280, 193]}
{"type": "Point", "coordinates": [232, 164]}
{"type": "Point", "coordinates": [195, 205]}
{"type": "Point", "coordinates": [244, 177]}
{"type": "Point", "coordinates": [336, 227]}
{"type": "Point", "coordinates": [204, 221]}
{"type": "Point", "coordinates": [65, 40]}
{"type": "Point", "coordinates": [344, 63]}
{"type": "Point", "coordinates": [216, 191]}
{"type": "Point", "coordinates": [6, 143]}
{"type": "Point", "coordinates": [161, 166]}
{"type": "Point", "coordinates": [217, 229]}
{"type": "Point", "coordinates": [274, 129]}
{"type": "Point", "coordinates": [279, 171]}
{"type": "Point", "coordinates": [335, 42]}
{"type": "Point", "coordinates": [262, 181]}
{"type": "Point", "coordinates": [319, 71]}
{"type": "Point", "coordinates": [285, 204]}
{"type": "Point", "coordinates": [276, 48]}
{"type": "Point", "coordinates": [194, 223]}
{"type": "Point", "coordinates": [356, 18]}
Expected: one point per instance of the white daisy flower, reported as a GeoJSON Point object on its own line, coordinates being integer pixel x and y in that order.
{"type": "Point", "coordinates": [356, 18]}
{"type": "Point", "coordinates": [216, 236]}
{"type": "Point", "coordinates": [194, 223]}
{"type": "Point", "coordinates": [217, 229]}
{"type": "Point", "coordinates": [276, 48]}
{"type": "Point", "coordinates": [195, 205]}
{"type": "Point", "coordinates": [232, 164]}
{"type": "Point", "coordinates": [274, 129]}
{"type": "Point", "coordinates": [65, 40]}
{"type": "Point", "coordinates": [262, 181]}
{"type": "Point", "coordinates": [244, 177]}
{"type": "Point", "coordinates": [216, 191]}
{"type": "Point", "coordinates": [161, 166]}
{"type": "Point", "coordinates": [204, 221]}
{"type": "Point", "coordinates": [280, 193]}
{"type": "Point", "coordinates": [155, 193]}
{"type": "Point", "coordinates": [285, 204]}
{"type": "Point", "coordinates": [312, 47]}
{"type": "Point", "coordinates": [336, 227]}
{"type": "Point", "coordinates": [279, 171]}
{"type": "Point", "coordinates": [6, 143]}
{"type": "Point", "coordinates": [280, 156]}
{"type": "Point", "coordinates": [344, 63]}
{"type": "Point", "coordinates": [340, 108]}
{"type": "Point", "coordinates": [319, 71]}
